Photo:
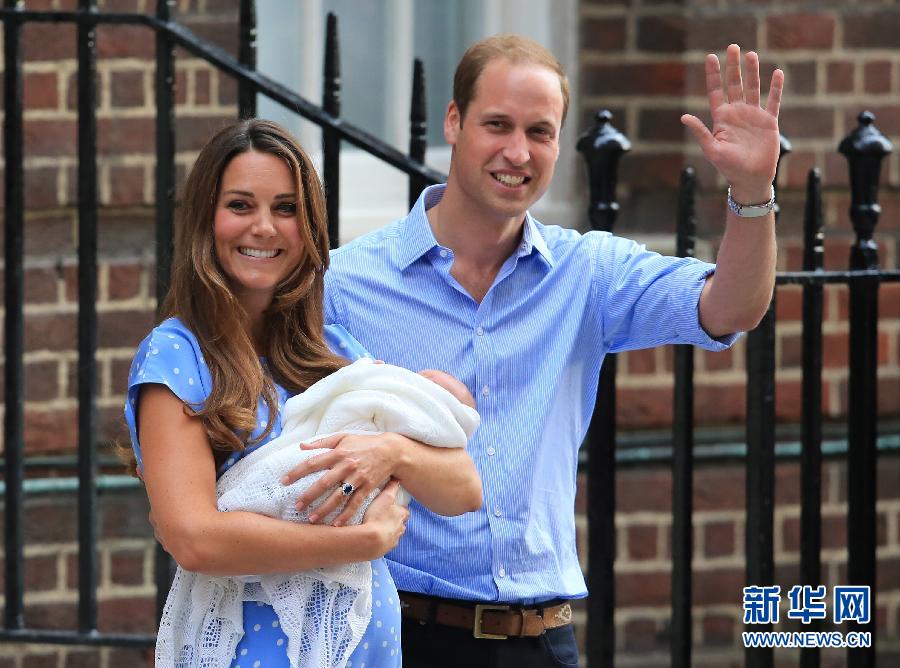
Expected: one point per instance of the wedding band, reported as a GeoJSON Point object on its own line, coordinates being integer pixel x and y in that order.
{"type": "Point", "coordinates": [347, 488]}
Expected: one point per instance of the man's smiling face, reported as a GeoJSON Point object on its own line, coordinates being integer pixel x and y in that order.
{"type": "Point", "coordinates": [505, 149]}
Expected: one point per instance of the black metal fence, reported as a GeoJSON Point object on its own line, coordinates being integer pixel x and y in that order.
{"type": "Point", "coordinates": [864, 148]}
{"type": "Point", "coordinates": [602, 148]}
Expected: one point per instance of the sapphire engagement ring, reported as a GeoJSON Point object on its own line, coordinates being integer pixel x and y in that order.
{"type": "Point", "coordinates": [347, 488]}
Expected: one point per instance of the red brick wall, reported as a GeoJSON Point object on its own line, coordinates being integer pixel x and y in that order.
{"type": "Point", "coordinates": [643, 566]}
{"type": "Point", "coordinates": [649, 42]}
{"type": "Point", "coordinates": [126, 160]}
{"type": "Point", "coordinates": [644, 61]}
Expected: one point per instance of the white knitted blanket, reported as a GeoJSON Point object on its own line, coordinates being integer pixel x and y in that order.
{"type": "Point", "coordinates": [323, 612]}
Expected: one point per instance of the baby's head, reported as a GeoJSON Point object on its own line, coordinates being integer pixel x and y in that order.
{"type": "Point", "coordinates": [449, 383]}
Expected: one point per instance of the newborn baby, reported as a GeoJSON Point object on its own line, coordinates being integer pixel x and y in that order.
{"type": "Point", "coordinates": [323, 612]}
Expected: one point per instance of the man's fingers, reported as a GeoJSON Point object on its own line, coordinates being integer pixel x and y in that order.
{"type": "Point", "coordinates": [714, 83]}
{"type": "Point", "coordinates": [773, 102]}
{"type": "Point", "coordinates": [733, 86]}
{"type": "Point", "coordinates": [751, 92]}
{"type": "Point", "coordinates": [698, 129]}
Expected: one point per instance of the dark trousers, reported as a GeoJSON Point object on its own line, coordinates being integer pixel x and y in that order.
{"type": "Point", "coordinates": [434, 646]}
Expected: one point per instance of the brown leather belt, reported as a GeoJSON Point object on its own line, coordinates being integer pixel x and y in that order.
{"type": "Point", "coordinates": [487, 620]}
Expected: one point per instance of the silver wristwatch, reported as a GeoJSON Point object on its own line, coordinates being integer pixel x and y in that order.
{"type": "Point", "coordinates": [751, 210]}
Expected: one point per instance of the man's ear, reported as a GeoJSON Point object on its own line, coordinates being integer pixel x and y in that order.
{"type": "Point", "coordinates": [452, 123]}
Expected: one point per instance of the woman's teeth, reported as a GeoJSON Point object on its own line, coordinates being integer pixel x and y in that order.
{"type": "Point", "coordinates": [255, 252]}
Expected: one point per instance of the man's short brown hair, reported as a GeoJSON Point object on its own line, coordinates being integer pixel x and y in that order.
{"type": "Point", "coordinates": [514, 48]}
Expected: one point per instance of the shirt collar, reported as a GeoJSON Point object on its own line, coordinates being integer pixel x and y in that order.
{"type": "Point", "coordinates": [533, 240]}
{"type": "Point", "coordinates": [417, 237]}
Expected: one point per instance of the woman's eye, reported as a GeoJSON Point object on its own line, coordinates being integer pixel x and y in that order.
{"type": "Point", "coordinates": [288, 209]}
{"type": "Point", "coordinates": [237, 205]}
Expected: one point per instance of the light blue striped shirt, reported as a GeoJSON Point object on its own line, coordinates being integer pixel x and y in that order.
{"type": "Point", "coordinates": [530, 352]}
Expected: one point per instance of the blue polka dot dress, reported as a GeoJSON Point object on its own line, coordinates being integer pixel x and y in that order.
{"type": "Point", "coordinates": [171, 356]}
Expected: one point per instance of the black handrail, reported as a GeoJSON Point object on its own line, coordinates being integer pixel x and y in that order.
{"type": "Point", "coordinates": [228, 64]}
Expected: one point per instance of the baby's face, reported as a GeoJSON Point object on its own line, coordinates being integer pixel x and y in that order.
{"type": "Point", "coordinates": [449, 383]}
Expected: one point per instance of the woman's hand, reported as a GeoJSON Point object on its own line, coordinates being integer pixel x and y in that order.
{"type": "Point", "coordinates": [366, 462]}
{"type": "Point", "coordinates": [387, 518]}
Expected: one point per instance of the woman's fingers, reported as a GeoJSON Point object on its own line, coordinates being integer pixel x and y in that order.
{"type": "Point", "coordinates": [334, 501]}
{"type": "Point", "coordinates": [356, 501]}
{"type": "Point", "coordinates": [326, 460]}
{"type": "Point", "coordinates": [331, 441]}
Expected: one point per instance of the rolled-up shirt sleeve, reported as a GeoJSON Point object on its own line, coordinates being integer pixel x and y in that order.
{"type": "Point", "coordinates": [647, 299]}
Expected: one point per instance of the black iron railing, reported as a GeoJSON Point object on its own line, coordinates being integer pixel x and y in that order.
{"type": "Point", "coordinates": [169, 34]}
{"type": "Point", "coordinates": [864, 148]}
{"type": "Point", "coordinates": [602, 148]}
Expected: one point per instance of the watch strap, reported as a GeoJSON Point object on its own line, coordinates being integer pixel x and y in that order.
{"type": "Point", "coordinates": [751, 210]}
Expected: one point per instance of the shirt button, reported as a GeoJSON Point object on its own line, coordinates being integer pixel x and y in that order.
{"type": "Point", "coordinates": [497, 511]}
{"type": "Point", "coordinates": [443, 253]}
{"type": "Point", "coordinates": [486, 391]}
{"type": "Point", "coordinates": [479, 331]}
{"type": "Point", "coordinates": [502, 572]}
{"type": "Point", "coordinates": [491, 450]}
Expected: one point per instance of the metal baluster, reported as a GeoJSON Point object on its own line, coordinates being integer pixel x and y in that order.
{"type": "Point", "coordinates": [14, 294]}
{"type": "Point", "coordinates": [602, 146]}
{"type": "Point", "coordinates": [165, 213]}
{"type": "Point", "coordinates": [864, 148]}
{"type": "Point", "coordinates": [417, 129]}
{"type": "Point", "coordinates": [683, 451]}
{"type": "Point", "coordinates": [760, 466]}
{"type": "Point", "coordinates": [87, 320]}
{"type": "Point", "coordinates": [811, 414]}
{"type": "Point", "coordinates": [331, 141]}
{"type": "Point", "coordinates": [247, 57]}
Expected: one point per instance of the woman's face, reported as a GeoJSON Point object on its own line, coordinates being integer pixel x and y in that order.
{"type": "Point", "coordinates": [257, 240]}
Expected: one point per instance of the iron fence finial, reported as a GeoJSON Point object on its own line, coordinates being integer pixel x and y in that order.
{"type": "Point", "coordinates": [602, 146]}
{"type": "Point", "coordinates": [865, 148]}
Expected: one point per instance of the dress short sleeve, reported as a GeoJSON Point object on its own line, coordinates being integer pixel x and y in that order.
{"type": "Point", "coordinates": [342, 343]}
{"type": "Point", "coordinates": [170, 355]}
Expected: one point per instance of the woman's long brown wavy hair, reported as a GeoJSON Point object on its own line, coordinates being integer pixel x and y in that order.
{"type": "Point", "coordinates": [296, 355]}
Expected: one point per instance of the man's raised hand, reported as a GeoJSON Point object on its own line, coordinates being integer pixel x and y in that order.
{"type": "Point", "coordinates": [744, 142]}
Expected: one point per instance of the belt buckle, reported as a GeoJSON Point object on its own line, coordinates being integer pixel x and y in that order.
{"type": "Point", "coordinates": [476, 626]}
